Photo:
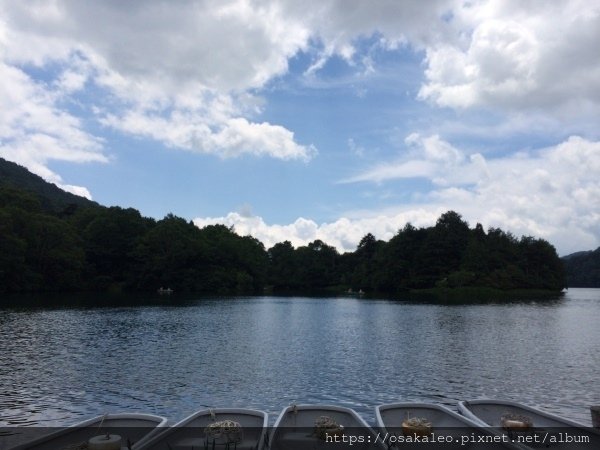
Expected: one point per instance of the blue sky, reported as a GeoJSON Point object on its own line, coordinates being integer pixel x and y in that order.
{"type": "Point", "coordinates": [326, 121]}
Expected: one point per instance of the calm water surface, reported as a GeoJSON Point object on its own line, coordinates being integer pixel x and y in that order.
{"type": "Point", "coordinates": [59, 365]}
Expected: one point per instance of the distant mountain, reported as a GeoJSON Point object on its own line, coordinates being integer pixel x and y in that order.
{"type": "Point", "coordinates": [583, 268]}
{"type": "Point", "coordinates": [576, 254]}
{"type": "Point", "coordinates": [52, 198]}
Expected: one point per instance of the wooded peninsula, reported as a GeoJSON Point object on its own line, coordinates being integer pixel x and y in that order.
{"type": "Point", "coordinates": [51, 240]}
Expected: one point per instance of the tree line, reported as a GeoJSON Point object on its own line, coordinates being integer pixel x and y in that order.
{"type": "Point", "coordinates": [48, 242]}
{"type": "Point", "coordinates": [448, 254]}
{"type": "Point", "coordinates": [97, 248]}
{"type": "Point", "coordinates": [583, 269]}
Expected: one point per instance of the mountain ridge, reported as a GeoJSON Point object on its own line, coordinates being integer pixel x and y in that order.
{"type": "Point", "coordinates": [583, 268]}
{"type": "Point", "coordinates": [52, 198]}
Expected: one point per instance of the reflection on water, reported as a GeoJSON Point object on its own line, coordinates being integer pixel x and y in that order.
{"type": "Point", "coordinates": [174, 356]}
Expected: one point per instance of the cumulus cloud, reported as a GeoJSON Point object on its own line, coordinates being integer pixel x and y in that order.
{"type": "Point", "coordinates": [232, 137]}
{"type": "Point", "coordinates": [34, 130]}
{"type": "Point", "coordinates": [506, 55]}
{"type": "Point", "coordinates": [337, 23]}
{"type": "Point", "coordinates": [184, 68]}
{"type": "Point", "coordinates": [222, 45]}
{"type": "Point", "coordinates": [344, 233]}
{"type": "Point", "coordinates": [190, 75]}
{"type": "Point", "coordinates": [547, 192]}
{"type": "Point", "coordinates": [179, 73]}
{"type": "Point", "coordinates": [517, 55]}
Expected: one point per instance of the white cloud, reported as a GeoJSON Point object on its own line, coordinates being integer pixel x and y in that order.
{"type": "Point", "coordinates": [189, 74]}
{"type": "Point", "coordinates": [339, 22]}
{"type": "Point", "coordinates": [33, 130]}
{"type": "Point", "coordinates": [179, 73]}
{"type": "Point", "coordinates": [516, 55]}
{"type": "Point", "coordinates": [356, 149]}
{"type": "Point", "coordinates": [229, 138]}
{"type": "Point", "coordinates": [508, 55]}
{"type": "Point", "coordinates": [170, 64]}
{"type": "Point", "coordinates": [222, 45]}
{"type": "Point", "coordinates": [550, 193]}
{"type": "Point", "coordinates": [427, 157]}
{"type": "Point", "coordinates": [344, 233]}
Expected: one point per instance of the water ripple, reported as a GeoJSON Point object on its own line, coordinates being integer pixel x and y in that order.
{"type": "Point", "coordinates": [59, 365]}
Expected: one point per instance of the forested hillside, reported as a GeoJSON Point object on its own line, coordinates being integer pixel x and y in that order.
{"type": "Point", "coordinates": [54, 241]}
{"type": "Point", "coordinates": [51, 198]}
{"type": "Point", "coordinates": [583, 269]}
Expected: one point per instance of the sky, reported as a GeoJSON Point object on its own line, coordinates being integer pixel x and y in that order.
{"type": "Point", "coordinates": [320, 119]}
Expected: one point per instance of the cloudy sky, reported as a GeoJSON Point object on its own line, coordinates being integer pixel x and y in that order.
{"type": "Point", "coordinates": [322, 119]}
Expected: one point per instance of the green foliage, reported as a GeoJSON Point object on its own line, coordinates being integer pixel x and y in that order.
{"type": "Point", "coordinates": [110, 236]}
{"type": "Point", "coordinates": [51, 240]}
{"type": "Point", "coordinates": [38, 252]}
{"type": "Point", "coordinates": [13, 248]}
{"type": "Point", "coordinates": [583, 269]}
{"type": "Point", "coordinates": [49, 197]}
{"type": "Point", "coordinates": [282, 266]}
{"type": "Point", "coordinates": [316, 265]}
{"type": "Point", "coordinates": [449, 254]}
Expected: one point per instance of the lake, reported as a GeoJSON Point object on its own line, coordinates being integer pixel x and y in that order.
{"type": "Point", "coordinates": [174, 355]}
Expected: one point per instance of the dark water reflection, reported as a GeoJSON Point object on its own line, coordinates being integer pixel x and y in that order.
{"type": "Point", "coordinates": [174, 356]}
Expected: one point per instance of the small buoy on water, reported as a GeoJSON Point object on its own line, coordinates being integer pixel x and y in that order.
{"type": "Point", "coordinates": [105, 442]}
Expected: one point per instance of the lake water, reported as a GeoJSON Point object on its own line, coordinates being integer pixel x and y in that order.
{"type": "Point", "coordinates": [172, 356]}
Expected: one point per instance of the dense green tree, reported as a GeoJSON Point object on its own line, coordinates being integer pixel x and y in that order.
{"type": "Point", "coordinates": [282, 266]}
{"type": "Point", "coordinates": [169, 255]}
{"type": "Point", "coordinates": [110, 239]}
{"type": "Point", "coordinates": [50, 198]}
{"type": "Point", "coordinates": [399, 265]}
{"type": "Point", "coordinates": [52, 240]}
{"type": "Point", "coordinates": [39, 252]}
{"type": "Point", "coordinates": [443, 249]}
{"type": "Point", "coordinates": [366, 259]}
{"type": "Point", "coordinates": [316, 265]}
{"type": "Point", "coordinates": [54, 250]}
{"type": "Point", "coordinates": [540, 264]}
{"type": "Point", "coordinates": [583, 269]}
{"type": "Point", "coordinates": [13, 248]}
{"type": "Point", "coordinates": [251, 264]}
